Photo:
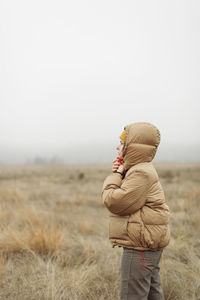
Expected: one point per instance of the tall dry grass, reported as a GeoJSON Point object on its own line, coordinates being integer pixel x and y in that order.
{"type": "Point", "coordinates": [54, 234]}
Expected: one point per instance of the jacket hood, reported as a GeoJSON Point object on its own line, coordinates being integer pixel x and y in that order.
{"type": "Point", "coordinates": [142, 140]}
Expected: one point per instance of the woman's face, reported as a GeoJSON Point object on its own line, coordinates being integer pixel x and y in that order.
{"type": "Point", "coordinates": [120, 148]}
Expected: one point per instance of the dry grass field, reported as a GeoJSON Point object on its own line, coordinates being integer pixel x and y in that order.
{"type": "Point", "coordinates": [54, 233]}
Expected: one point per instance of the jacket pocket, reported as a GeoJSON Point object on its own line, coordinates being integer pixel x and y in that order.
{"type": "Point", "coordinates": [145, 237]}
{"type": "Point", "coordinates": [118, 227]}
{"type": "Point", "coordinates": [134, 230]}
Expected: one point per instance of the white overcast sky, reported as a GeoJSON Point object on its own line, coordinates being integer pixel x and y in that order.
{"type": "Point", "coordinates": [78, 71]}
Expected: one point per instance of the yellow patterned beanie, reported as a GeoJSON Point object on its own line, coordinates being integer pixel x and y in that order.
{"type": "Point", "coordinates": [123, 136]}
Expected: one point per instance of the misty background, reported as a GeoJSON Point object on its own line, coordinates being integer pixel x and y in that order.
{"type": "Point", "coordinates": [74, 73]}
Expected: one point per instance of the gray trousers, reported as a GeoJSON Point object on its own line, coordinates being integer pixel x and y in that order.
{"type": "Point", "coordinates": [140, 278]}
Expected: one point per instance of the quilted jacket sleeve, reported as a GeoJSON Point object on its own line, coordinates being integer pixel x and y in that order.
{"type": "Point", "coordinates": [127, 197]}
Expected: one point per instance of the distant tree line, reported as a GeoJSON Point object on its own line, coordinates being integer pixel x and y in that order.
{"type": "Point", "coordinates": [40, 160]}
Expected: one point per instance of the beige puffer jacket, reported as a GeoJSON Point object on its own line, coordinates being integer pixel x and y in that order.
{"type": "Point", "coordinates": [139, 215]}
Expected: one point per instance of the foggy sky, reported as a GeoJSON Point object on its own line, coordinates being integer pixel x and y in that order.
{"type": "Point", "coordinates": [74, 73]}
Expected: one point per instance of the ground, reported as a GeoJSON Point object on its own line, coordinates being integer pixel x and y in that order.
{"type": "Point", "coordinates": [54, 233]}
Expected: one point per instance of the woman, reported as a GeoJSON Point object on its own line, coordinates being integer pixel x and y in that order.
{"type": "Point", "coordinates": [139, 215]}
